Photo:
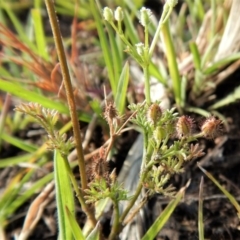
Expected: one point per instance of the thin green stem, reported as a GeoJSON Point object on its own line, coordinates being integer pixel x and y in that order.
{"type": "Point", "coordinates": [147, 84]}
{"type": "Point", "coordinates": [146, 38]}
{"type": "Point", "coordinates": [165, 15]}
{"type": "Point", "coordinates": [131, 202]}
{"type": "Point", "coordinates": [115, 228]}
{"type": "Point", "coordinates": [68, 88]}
{"type": "Point", "coordinates": [134, 198]}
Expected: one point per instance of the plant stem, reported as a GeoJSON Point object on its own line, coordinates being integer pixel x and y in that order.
{"type": "Point", "coordinates": [134, 198]}
{"type": "Point", "coordinates": [68, 88]}
{"type": "Point", "coordinates": [147, 83]}
{"type": "Point", "coordinates": [115, 227]}
{"type": "Point", "coordinates": [165, 15]}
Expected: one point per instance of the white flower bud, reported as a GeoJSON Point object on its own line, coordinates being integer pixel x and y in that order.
{"type": "Point", "coordinates": [118, 14]}
{"type": "Point", "coordinates": [108, 14]}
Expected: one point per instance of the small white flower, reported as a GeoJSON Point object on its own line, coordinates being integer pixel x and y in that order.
{"type": "Point", "coordinates": [145, 15]}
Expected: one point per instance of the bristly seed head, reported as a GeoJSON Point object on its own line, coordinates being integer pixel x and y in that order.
{"type": "Point", "coordinates": [211, 128]}
{"type": "Point", "coordinates": [184, 126]}
{"type": "Point", "coordinates": [110, 112]}
{"type": "Point", "coordinates": [154, 113]}
{"type": "Point", "coordinates": [99, 167]}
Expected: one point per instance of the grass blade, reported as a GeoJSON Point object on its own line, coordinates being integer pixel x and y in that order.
{"type": "Point", "coordinates": [231, 98]}
{"type": "Point", "coordinates": [23, 36]}
{"type": "Point", "coordinates": [64, 196]}
{"type": "Point", "coordinates": [122, 89]}
{"type": "Point", "coordinates": [221, 63]}
{"type": "Point", "coordinates": [76, 230]}
{"type": "Point", "coordinates": [31, 96]}
{"type": "Point", "coordinates": [14, 160]}
{"type": "Point", "coordinates": [104, 45]}
{"type": "Point", "coordinates": [225, 192]}
{"type": "Point", "coordinates": [200, 212]}
{"type": "Point", "coordinates": [39, 34]}
{"type": "Point", "coordinates": [163, 218]}
{"type": "Point", "coordinates": [18, 143]}
{"type": "Point", "coordinates": [95, 234]}
{"type": "Point", "coordinates": [172, 62]}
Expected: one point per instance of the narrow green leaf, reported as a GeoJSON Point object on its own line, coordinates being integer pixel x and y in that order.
{"type": "Point", "coordinates": [172, 62]}
{"type": "Point", "coordinates": [122, 89]}
{"type": "Point", "coordinates": [155, 72]}
{"type": "Point", "coordinates": [131, 31]}
{"type": "Point", "coordinates": [76, 230]}
{"type": "Point", "coordinates": [6, 162]}
{"type": "Point", "coordinates": [165, 215]}
{"type": "Point", "coordinates": [196, 55]}
{"type": "Point", "coordinates": [19, 143]}
{"type": "Point", "coordinates": [230, 98]}
{"type": "Point", "coordinates": [39, 34]}
{"type": "Point", "coordinates": [64, 196]}
{"type": "Point", "coordinates": [23, 197]}
{"type": "Point", "coordinates": [199, 111]}
{"type": "Point", "coordinates": [200, 212]}
{"type": "Point", "coordinates": [221, 63]}
{"type": "Point", "coordinates": [104, 45]}
{"type": "Point", "coordinates": [20, 30]}
{"type": "Point", "coordinates": [95, 234]}
{"type": "Point", "coordinates": [225, 192]}
{"type": "Point", "coordinates": [116, 56]}
{"type": "Point", "coordinates": [31, 96]}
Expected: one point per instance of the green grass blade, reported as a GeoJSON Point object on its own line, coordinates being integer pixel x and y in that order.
{"type": "Point", "coordinates": [154, 71]}
{"type": "Point", "coordinates": [116, 56]}
{"type": "Point", "coordinates": [64, 196]}
{"type": "Point", "coordinates": [199, 111]}
{"type": "Point", "coordinates": [231, 98]}
{"type": "Point", "coordinates": [19, 143]}
{"type": "Point", "coordinates": [225, 192]}
{"type": "Point", "coordinates": [31, 96]}
{"type": "Point", "coordinates": [163, 218]}
{"type": "Point", "coordinates": [14, 160]}
{"type": "Point", "coordinates": [76, 230]}
{"type": "Point", "coordinates": [122, 89]}
{"type": "Point", "coordinates": [17, 24]}
{"type": "Point", "coordinates": [11, 193]}
{"type": "Point", "coordinates": [39, 34]}
{"type": "Point", "coordinates": [95, 234]}
{"type": "Point", "coordinates": [196, 55]}
{"type": "Point", "coordinates": [104, 45]}
{"type": "Point", "coordinates": [21, 199]}
{"type": "Point", "coordinates": [221, 63]}
{"type": "Point", "coordinates": [130, 31]}
{"type": "Point", "coordinates": [200, 212]}
{"type": "Point", "coordinates": [172, 62]}
{"type": "Point", "coordinates": [68, 8]}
